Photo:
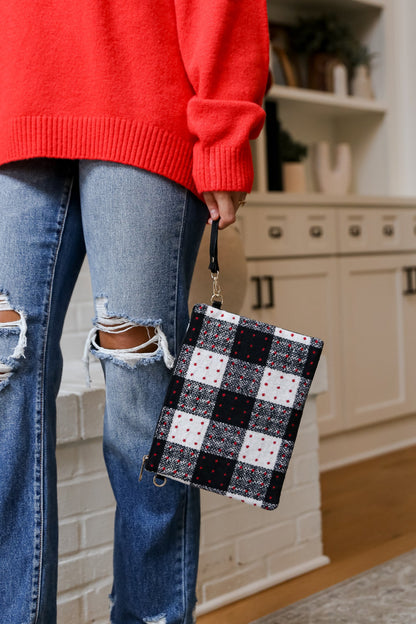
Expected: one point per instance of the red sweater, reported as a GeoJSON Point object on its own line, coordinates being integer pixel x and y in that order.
{"type": "Point", "coordinates": [172, 86]}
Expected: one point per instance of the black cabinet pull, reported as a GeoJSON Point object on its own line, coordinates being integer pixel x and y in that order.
{"type": "Point", "coordinates": [269, 280]}
{"type": "Point", "coordinates": [259, 299]}
{"type": "Point", "coordinates": [355, 230]}
{"type": "Point", "coordinates": [275, 231]}
{"type": "Point", "coordinates": [388, 230]}
{"type": "Point", "coordinates": [410, 280]}
{"type": "Point", "coordinates": [316, 231]}
{"type": "Point", "coordinates": [258, 303]}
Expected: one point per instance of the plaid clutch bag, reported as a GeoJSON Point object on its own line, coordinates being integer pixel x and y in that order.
{"type": "Point", "coordinates": [233, 406]}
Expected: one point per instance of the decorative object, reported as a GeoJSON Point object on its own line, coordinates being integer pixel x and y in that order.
{"type": "Point", "coordinates": [318, 71]}
{"type": "Point", "coordinates": [332, 179]}
{"type": "Point", "coordinates": [384, 594]}
{"type": "Point", "coordinates": [284, 63]}
{"type": "Point", "coordinates": [276, 69]}
{"type": "Point", "coordinates": [337, 78]}
{"type": "Point", "coordinates": [360, 63]}
{"type": "Point", "coordinates": [234, 403]}
{"type": "Point", "coordinates": [292, 154]}
{"type": "Point", "coordinates": [294, 177]}
{"type": "Point", "coordinates": [323, 40]}
{"type": "Point", "coordinates": [361, 83]}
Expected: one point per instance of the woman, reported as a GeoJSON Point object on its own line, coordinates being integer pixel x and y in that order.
{"type": "Point", "coordinates": [124, 127]}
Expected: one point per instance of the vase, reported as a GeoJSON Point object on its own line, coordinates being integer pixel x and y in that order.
{"type": "Point", "coordinates": [317, 71]}
{"type": "Point", "coordinates": [334, 179]}
{"type": "Point", "coordinates": [361, 83]}
{"type": "Point", "coordinates": [294, 178]}
{"type": "Point", "coordinates": [337, 78]}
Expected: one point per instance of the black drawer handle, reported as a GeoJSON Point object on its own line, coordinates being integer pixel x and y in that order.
{"type": "Point", "coordinates": [259, 304]}
{"type": "Point", "coordinates": [388, 230]}
{"type": "Point", "coordinates": [410, 273]}
{"type": "Point", "coordinates": [275, 231]}
{"type": "Point", "coordinates": [257, 281]}
{"type": "Point", "coordinates": [316, 231]}
{"type": "Point", "coordinates": [269, 280]}
{"type": "Point", "coordinates": [355, 230]}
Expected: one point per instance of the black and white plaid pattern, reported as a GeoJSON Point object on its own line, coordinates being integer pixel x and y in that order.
{"type": "Point", "coordinates": [233, 406]}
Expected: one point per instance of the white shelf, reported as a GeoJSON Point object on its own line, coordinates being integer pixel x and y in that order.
{"type": "Point", "coordinates": [276, 198]}
{"type": "Point", "coordinates": [318, 102]}
{"type": "Point", "coordinates": [333, 4]}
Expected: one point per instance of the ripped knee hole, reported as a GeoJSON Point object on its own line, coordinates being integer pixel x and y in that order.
{"type": "Point", "coordinates": [124, 341]}
{"type": "Point", "coordinates": [8, 316]}
{"type": "Point", "coordinates": [13, 328]}
{"type": "Point", "coordinates": [142, 337]}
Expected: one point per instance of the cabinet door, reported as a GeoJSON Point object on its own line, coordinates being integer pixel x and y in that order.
{"type": "Point", "coordinates": [379, 337]}
{"type": "Point", "coordinates": [300, 295]}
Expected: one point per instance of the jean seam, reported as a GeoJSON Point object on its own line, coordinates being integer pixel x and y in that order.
{"type": "Point", "coordinates": [180, 555]}
{"type": "Point", "coordinates": [184, 551]}
{"type": "Point", "coordinates": [39, 466]}
{"type": "Point", "coordinates": [178, 259]}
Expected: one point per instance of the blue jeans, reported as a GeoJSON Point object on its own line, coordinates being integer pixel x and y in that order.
{"type": "Point", "coordinates": [141, 233]}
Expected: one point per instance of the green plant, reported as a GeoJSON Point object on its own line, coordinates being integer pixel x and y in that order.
{"type": "Point", "coordinates": [329, 35]}
{"type": "Point", "coordinates": [359, 55]}
{"type": "Point", "coordinates": [291, 150]}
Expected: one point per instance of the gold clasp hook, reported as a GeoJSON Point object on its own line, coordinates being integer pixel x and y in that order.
{"type": "Point", "coordinates": [216, 288]}
{"type": "Point", "coordinates": [156, 476]}
{"type": "Point", "coordinates": [145, 458]}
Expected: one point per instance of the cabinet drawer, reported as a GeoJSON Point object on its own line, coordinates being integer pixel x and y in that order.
{"type": "Point", "coordinates": [376, 230]}
{"type": "Point", "coordinates": [277, 232]}
{"type": "Point", "coordinates": [409, 230]}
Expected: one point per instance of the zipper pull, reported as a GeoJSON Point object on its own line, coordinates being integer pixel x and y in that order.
{"type": "Point", "coordinates": [145, 458]}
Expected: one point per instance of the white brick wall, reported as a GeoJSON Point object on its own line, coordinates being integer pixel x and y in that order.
{"type": "Point", "coordinates": [86, 509]}
{"type": "Point", "coordinates": [243, 549]}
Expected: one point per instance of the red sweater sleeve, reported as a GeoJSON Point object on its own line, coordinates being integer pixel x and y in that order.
{"type": "Point", "coordinates": [225, 50]}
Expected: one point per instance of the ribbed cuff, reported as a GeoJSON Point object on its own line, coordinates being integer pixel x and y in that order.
{"type": "Point", "coordinates": [223, 168]}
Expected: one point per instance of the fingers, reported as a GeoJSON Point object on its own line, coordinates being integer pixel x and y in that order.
{"type": "Point", "coordinates": [223, 204]}
{"type": "Point", "coordinates": [211, 202]}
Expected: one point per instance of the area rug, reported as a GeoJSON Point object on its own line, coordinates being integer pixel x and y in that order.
{"type": "Point", "coordinates": [385, 594]}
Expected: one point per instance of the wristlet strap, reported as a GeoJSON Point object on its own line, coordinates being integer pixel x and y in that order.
{"type": "Point", "coordinates": [213, 248]}
{"type": "Point", "coordinates": [216, 298]}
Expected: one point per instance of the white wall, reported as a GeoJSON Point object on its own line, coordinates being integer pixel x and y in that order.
{"type": "Point", "coordinates": [402, 91]}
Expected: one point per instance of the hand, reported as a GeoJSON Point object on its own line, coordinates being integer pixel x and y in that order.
{"type": "Point", "coordinates": [223, 204]}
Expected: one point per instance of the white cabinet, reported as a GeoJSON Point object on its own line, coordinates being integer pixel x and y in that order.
{"type": "Point", "coordinates": [299, 295]}
{"type": "Point", "coordinates": [343, 267]}
{"type": "Point", "coordinates": [347, 274]}
{"type": "Point", "coordinates": [378, 337]}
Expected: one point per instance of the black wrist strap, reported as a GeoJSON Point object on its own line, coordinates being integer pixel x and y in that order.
{"type": "Point", "coordinates": [216, 299]}
{"type": "Point", "coordinates": [213, 248]}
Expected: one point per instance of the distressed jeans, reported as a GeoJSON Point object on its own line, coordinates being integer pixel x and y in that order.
{"type": "Point", "coordinates": [141, 233]}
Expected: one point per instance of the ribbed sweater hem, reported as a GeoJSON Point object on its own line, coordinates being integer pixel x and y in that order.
{"type": "Point", "coordinates": [117, 139]}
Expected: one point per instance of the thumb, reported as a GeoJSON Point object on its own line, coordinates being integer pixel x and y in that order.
{"type": "Point", "coordinates": [211, 202]}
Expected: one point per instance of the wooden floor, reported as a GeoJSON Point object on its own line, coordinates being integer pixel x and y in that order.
{"type": "Point", "coordinates": [369, 512]}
